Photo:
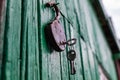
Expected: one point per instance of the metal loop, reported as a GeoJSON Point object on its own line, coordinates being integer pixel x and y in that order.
{"type": "Point", "coordinates": [53, 4]}
{"type": "Point", "coordinates": [70, 42]}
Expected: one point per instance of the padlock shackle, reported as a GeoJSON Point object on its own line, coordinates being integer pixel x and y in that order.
{"type": "Point", "coordinates": [57, 12]}
{"type": "Point", "coordinates": [53, 4]}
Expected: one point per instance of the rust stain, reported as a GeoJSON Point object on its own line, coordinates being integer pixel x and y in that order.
{"type": "Point", "coordinates": [1, 7]}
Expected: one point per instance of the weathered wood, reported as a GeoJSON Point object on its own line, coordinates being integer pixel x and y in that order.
{"type": "Point", "coordinates": [50, 62]}
{"type": "Point", "coordinates": [24, 44]}
{"type": "Point", "coordinates": [63, 59]}
{"type": "Point", "coordinates": [29, 45]}
{"type": "Point", "coordinates": [11, 61]}
{"type": "Point", "coordinates": [2, 23]}
{"type": "Point", "coordinates": [28, 56]}
{"type": "Point", "coordinates": [73, 34]}
{"type": "Point", "coordinates": [43, 46]}
{"type": "Point", "coordinates": [104, 53]}
{"type": "Point", "coordinates": [92, 66]}
{"type": "Point", "coordinates": [86, 68]}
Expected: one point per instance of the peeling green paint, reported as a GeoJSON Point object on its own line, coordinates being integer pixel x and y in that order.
{"type": "Point", "coordinates": [27, 56]}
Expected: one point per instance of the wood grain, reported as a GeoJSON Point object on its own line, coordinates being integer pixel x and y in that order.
{"type": "Point", "coordinates": [28, 56]}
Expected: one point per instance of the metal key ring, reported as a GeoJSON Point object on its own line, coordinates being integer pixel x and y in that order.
{"type": "Point", "coordinates": [70, 42]}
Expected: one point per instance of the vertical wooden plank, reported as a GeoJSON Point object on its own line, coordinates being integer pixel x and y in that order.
{"type": "Point", "coordinates": [102, 48]}
{"type": "Point", "coordinates": [78, 62]}
{"type": "Point", "coordinates": [54, 64]}
{"type": "Point", "coordinates": [50, 61]}
{"type": "Point", "coordinates": [94, 25]}
{"type": "Point", "coordinates": [2, 25]}
{"type": "Point", "coordinates": [29, 48]}
{"type": "Point", "coordinates": [91, 40]}
{"type": "Point", "coordinates": [77, 34]}
{"type": "Point", "coordinates": [43, 55]}
{"type": "Point", "coordinates": [96, 68]}
{"type": "Point", "coordinates": [87, 74]}
{"type": "Point", "coordinates": [74, 34]}
{"type": "Point", "coordinates": [81, 31]}
{"type": "Point", "coordinates": [31, 41]}
{"type": "Point", "coordinates": [11, 61]}
{"type": "Point", "coordinates": [89, 25]}
{"type": "Point", "coordinates": [96, 51]}
{"type": "Point", "coordinates": [91, 63]}
{"type": "Point", "coordinates": [82, 21]}
{"type": "Point", "coordinates": [35, 24]}
{"type": "Point", "coordinates": [43, 18]}
{"type": "Point", "coordinates": [104, 51]}
{"type": "Point", "coordinates": [71, 17]}
{"type": "Point", "coordinates": [54, 58]}
{"type": "Point", "coordinates": [24, 43]}
{"type": "Point", "coordinates": [65, 71]}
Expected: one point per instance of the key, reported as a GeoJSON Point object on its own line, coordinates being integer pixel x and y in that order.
{"type": "Point", "coordinates": [71, 55]}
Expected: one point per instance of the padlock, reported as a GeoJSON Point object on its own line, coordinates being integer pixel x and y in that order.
{"type": "Point", "coordinates": [54, 31]}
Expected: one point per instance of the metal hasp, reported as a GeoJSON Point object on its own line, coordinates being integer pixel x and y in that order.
{"type": "Point", "coordinates": [54, 31]}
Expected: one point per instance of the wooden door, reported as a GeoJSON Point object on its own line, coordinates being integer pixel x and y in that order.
{"type": "Point", "coordinates": [26, 54]}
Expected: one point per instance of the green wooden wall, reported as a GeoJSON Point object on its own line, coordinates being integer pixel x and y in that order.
{"type": "Point", "coordinates": [27, 56]}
